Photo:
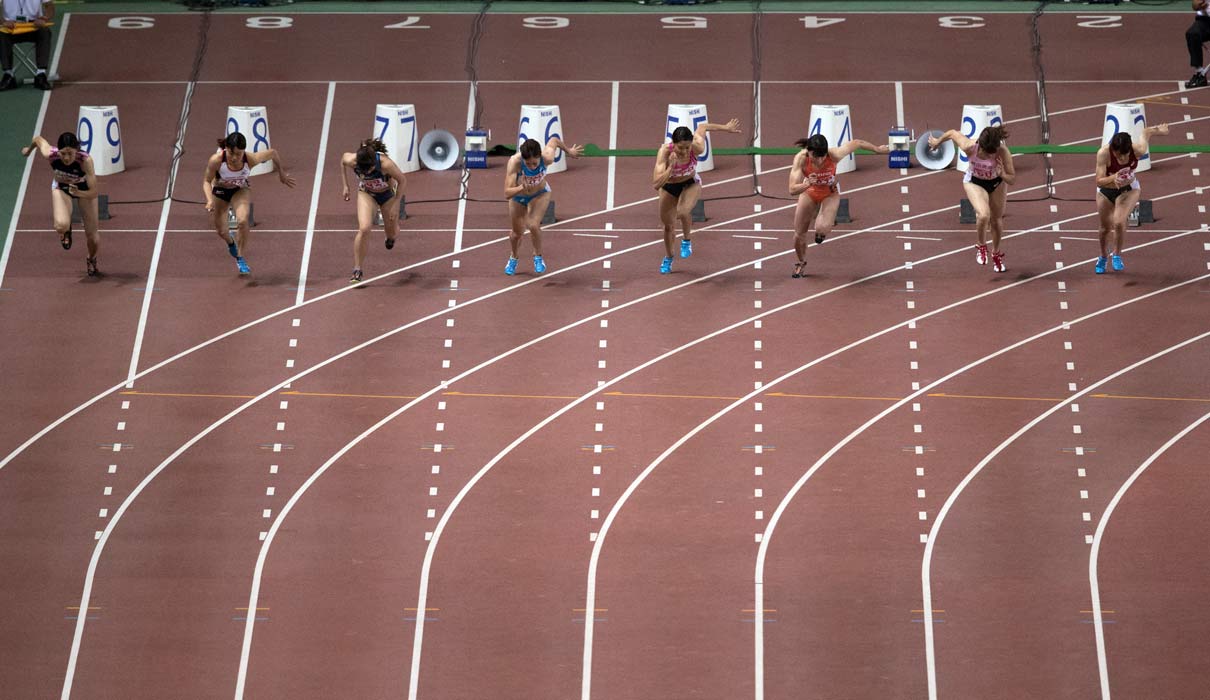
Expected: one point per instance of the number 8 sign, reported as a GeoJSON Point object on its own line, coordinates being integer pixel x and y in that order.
{"type": "Point", "coordinates": [253, 123]}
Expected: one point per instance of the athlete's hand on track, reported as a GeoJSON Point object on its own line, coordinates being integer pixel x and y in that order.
{"type": "Point", "coordinates": [732, 126]}
{"type": "Point", "coordinates": [575, 150]}
{"type": "Point", "coordinates": [286, 180]}
{"type": "Point", "coordinates": [1162, 129]}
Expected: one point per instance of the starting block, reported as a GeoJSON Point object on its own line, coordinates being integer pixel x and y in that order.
{"type": "Point", "coordinates": [233, 223]}
{"type": "Point", "coordinates": [966, 212]}
{"type": "Point", "coordinates": [698, 213]}
{"type": "Point", "coordinates": [1141, 214]}
{"type": "Point", "coordinates": [548, 217]}
{"type": "Point", "coordinates": [842, 212]}
{"type": "Point", "coordinates": [403, 212]}
{"type": "Point", "coordinates": [102, 209]}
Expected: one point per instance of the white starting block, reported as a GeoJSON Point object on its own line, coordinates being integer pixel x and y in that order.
{"type": "Point", "coordinates": [976, 118]}
{"type": "Point", "coordinates": [1131, 118]}
{"type": "Point", "coordinates": [690, 116]}
{"type": "Point", "coordinates": [253, 123]}
{"type": "Point", "coordinates": [395, 126]}
{"type": "Point", "coordinates": [540, 122]}
{"type": "Point", "coordinates": [101, 138]}
{"type": "Point", "coordinates": [836, 125]}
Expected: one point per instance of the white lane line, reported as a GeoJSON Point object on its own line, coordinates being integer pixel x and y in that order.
{"type": "Point", "coordinates": [756, 124]}
{"type": "Point", "coordinates": [926, 567]}
{"type": "Point", "coordinates": [464, 190]}
{"type": "Point", "coordinates": [761, 238]}
{"type": "Point", "coordinates": [158, 247]}
{"type": "Point", "coordinates": [319, 172]}
{"type": "Point", "coordinates": [613, 143]}
{"type": "Point", "coordinates": [596, 235]}
{"type": "Point", "coordinates": [899, 120]}
{"type": "Point", "coordinates": [29, 162]}
{"type": "Point", "coordinates": [1093, 581]}
{"type": "Point", "coordinates": [918, 238]}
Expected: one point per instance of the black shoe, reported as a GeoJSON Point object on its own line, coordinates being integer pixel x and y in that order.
{"type": "Point", "coordinates": [8, 82]}
{"type": "Point", "coordinates": [92, 266]}
{"type": "Point", "coordinates": [390, 243]}
{"type": "Point", "coordinates": [1198, 80]}
{"type": "Point", "coordinates": [41, 81]}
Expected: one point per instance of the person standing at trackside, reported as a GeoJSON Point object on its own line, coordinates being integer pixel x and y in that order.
{"type": "Point", "coordinates": [813, 181]}
{"type": "Point", "coordinates": [1197, 34]}
{"type": "Point", "coordinates": [1118, 191]}
{"type": "Point", "coordinates": [679, 185]}
{"type": "Point", "coordinates": [991, 165]}
{"type": "Point", "coordinates": [26, 21]}
{"type": "Point", "coordinates": [74, 180]}
{"type": "Point", "coordinates": [379, 187]}
{"type": "Point", "coordinates": [527, 191]}
{"type": "Point", "coordinates": [226, 184]}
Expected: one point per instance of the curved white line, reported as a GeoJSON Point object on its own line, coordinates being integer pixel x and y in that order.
{"type": "Point", "coordinates": [926, 568]}
{"type": "Point", "coordinates": [1093, 583]}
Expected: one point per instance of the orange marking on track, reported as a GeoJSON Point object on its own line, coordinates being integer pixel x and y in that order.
{"type": "Point", "coordinates": [992, 398]}
{"type": "Point", "coordinates": [1148, 398]}
{"type": "Point", "coordinates": [821, 396]}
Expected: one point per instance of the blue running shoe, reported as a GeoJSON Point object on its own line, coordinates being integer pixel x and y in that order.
{"type": "Point", "coordinates": [686, 248]}
{"type": "Point", "coordinates": [231, 247]}
{"type": "Point", "coordinates": [539, 264]}
{"type": "Point", "coordinates": [511, 267]}
{"type": "Point", "coordinates": [243, 266]}
{"type": "Point", "coordinates": [1100, 268]}
{"type": "Point", "coordinates": [1117, 263]}
{"type": "Point", "coordinates": [666, 266]}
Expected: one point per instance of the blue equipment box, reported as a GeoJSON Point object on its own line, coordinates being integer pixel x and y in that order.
{"type": "Point", "coordinates": [901, 153]}
{"type": "Point", "coordinates": [476, 149]}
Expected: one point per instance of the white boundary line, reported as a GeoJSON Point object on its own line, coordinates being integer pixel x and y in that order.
{"type": "Point", "coordinates": [613, 143]}
{"type": "Point", "coordinates": [320, 160]}
{"type": "Point", "coordinates": [158, 247]}
{"type": "Point", "coordinates": [926, 566]}
{"type": "Point", "coordinates": [465, 187]}
{"type": "Point", "coordinates": [29, 162]}
{"type": "Point", "coordinates": [1093, 582]}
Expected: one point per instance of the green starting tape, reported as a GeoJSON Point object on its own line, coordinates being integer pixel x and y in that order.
{"type": "Point", "coordinates": [594, 151]}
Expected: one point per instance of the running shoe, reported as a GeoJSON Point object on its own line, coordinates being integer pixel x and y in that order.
{"type": "Point", "coordinates": [799, 270]}
{"type": "Point", "coordinates": [1100, 268]}
{"type": "Point", "coordinates": [1198, 80]}
{"type": "Point", "coordinates": [92, 266]}
{"type": "Point", "coordinates": [819, 238]}
{"type": "Point", "coordinates": [511, 267]}
{"type": "Point", "coordinates": [390, 243]}
{"type": "Point", "coordinates": [981, 254]}
{"type": "Point", "coordinates": [1116, 261]}
{"type": "Point", "coordinates": [998, 262]}
{"type": "Point", "coordinates": [243, 266]}
{"type": "Point", "coordinates": [65, 239]}
{"type": "Point", "coordinates": [539, 264]}
{"type": "Point", "coordinates": [686, 248]}
{"type": "Point", "coordinates": [355, 277]}
{"type": "Point", "coordinates": [666, 266]}
{"type": "Point", "coordinates": [231, 247]}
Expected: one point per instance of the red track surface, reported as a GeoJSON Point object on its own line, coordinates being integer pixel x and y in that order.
{"type": "Point", "coordinates": [483, 500]}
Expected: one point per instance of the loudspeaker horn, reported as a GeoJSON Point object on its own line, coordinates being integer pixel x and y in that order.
{"type": "Point", "coordinates": [438, 150]}
{"type": "Point", "coordinates": [938, 158]}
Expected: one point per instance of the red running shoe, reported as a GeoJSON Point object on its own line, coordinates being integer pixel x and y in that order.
{"type": "Point", "coordinates": [981, 254]}
{"type": "Point", "coordinates": [998, 262]}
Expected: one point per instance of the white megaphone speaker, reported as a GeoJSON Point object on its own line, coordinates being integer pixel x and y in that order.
{"type": "Point", "coordinates": [438, 150]}
{"type": "Point", "coordinates": [938, 158]}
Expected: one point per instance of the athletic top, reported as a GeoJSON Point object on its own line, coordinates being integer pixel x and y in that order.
{"type": "Point", "coordinates": [982, 168]}
{"type": "Point", "coordinates": [69, 174]}
{"type": "Point", "coordinates": [373, 180]}
{"type": "Point", "coordinates": [823, 179]}
{"type": "Point", "coordinates": [529, 178]}
{"type": "Point", "coordinates": [1124, 172]}
{"type": "Point", "coordinates": [681, 171]}
{"type": "Point", "coordinates": [232, 179]}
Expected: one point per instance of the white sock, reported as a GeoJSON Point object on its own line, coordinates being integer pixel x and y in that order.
{"type": "Point", "coordinates": [1203, 69]}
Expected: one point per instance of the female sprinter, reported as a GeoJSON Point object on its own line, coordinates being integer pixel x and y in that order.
{"type": "Point", "coordinates": [991, 164]}
{"type": "Point", "coordinates": [379, 186]}
{"type": "Point", "coordinates": [1118, 191]}
{"type": "Point", "coordinates": [226, 184]}
{"type": "Point", "coordinates": [813, 179]}
{"type": "Point", "coordinates": [679, 185]}
{"type": "Point", "coordinates": [527, 192]}
{"type": "Point", "coordinates": [74, 179]}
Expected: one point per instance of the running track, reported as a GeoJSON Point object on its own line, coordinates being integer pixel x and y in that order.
{"type": "Point", "coordinates": [901, 432]}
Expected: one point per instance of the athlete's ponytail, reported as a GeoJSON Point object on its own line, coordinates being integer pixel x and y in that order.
{"type": "Point", "coordinates": [368, 152]}
{"type": "Point", "coordinates": [817, 145]}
